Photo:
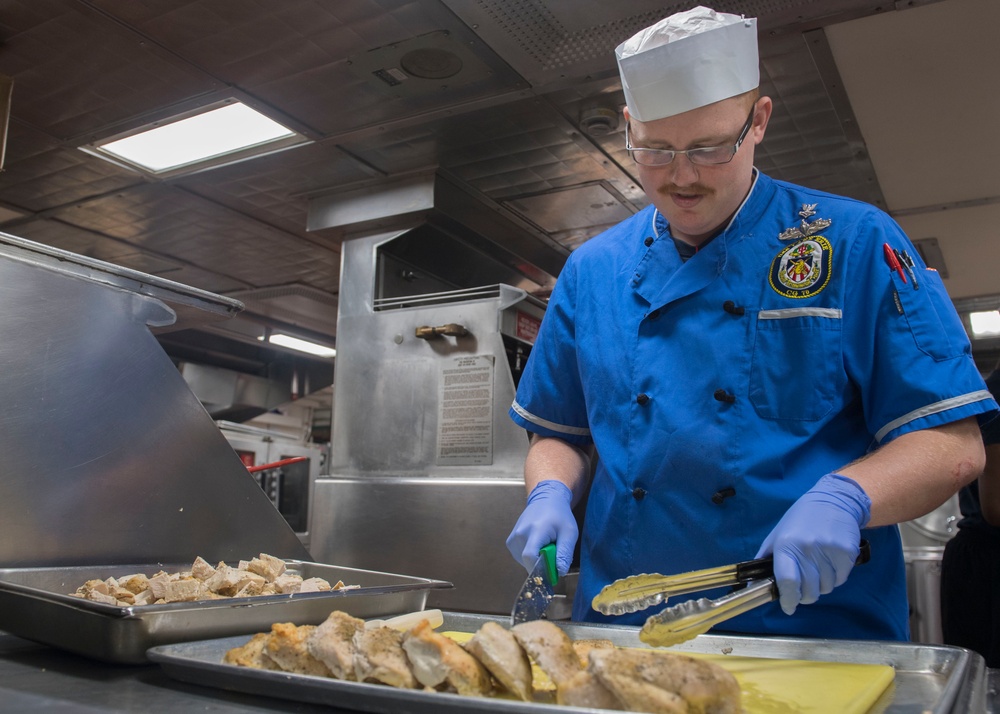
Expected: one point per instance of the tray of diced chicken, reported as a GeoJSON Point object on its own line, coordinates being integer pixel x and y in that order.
{"type": "Point", "coordinates": [117, 612]}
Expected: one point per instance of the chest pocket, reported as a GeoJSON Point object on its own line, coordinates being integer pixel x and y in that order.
{"type": "Point", "coordinates": [796, 371]}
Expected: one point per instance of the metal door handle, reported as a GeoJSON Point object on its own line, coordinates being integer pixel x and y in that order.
{"type": "Point", "coordinates": [452, 329]}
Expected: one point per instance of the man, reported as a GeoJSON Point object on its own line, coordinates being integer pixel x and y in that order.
{"type": "Point", "coordinates": [761, 368]}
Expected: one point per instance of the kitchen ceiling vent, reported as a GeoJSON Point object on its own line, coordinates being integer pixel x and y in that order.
{"type": "Point", "coordinates": [421, 65]}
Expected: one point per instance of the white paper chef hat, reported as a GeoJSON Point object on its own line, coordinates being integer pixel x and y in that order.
{"type": "Point", "coordinates": [686, 61]}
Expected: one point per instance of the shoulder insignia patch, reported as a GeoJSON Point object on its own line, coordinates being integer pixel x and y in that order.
{"type": "Point", "coordinates": [802, 269]}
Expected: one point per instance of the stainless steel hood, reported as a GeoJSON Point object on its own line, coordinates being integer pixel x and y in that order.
{"type": "Point", "coordinates": [458, 238]}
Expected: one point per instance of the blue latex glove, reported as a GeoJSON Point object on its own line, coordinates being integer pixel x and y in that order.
{"type": "Point", "coordinates": [817, 541]}
{"type": "Point", "coordinates": [547, 518]}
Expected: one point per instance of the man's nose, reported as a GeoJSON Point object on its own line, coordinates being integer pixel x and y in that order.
{"type": "Point", "coordinates": [683, 171]}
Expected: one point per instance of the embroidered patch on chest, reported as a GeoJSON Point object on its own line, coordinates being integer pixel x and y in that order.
{"type": "Point", "coordinates": [802, 269]}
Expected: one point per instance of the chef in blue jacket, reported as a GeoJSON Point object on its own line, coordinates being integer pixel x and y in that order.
{"type": "Point", "coordinates": [756, 367]}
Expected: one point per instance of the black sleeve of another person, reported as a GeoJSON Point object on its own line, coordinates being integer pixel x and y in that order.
{"type": "Point", "coordinates": [970, 568]}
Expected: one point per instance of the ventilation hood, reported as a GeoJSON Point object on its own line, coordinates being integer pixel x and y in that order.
{"type": "Point", "coordinates": [455, 238]}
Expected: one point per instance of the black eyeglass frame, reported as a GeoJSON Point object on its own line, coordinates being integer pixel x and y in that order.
{"type": "Point", "coordinates": [671, 154]}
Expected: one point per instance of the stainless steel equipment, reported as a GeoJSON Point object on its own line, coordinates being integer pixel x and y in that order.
{"type": "Point", "coordinates": [924, 540]}
{"type": "Point", "coordinates": [108, 457]}
{"type": "Point", "coordinates": [35, 604]}
{"type": "Point", "coordinates": [426, 468]}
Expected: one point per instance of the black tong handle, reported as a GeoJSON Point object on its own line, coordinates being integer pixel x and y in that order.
{"type": "Point", "coordinates": [764, 567]}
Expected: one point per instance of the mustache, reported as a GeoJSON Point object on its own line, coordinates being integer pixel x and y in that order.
{"type": "Point", "coordinates": [693, 190]}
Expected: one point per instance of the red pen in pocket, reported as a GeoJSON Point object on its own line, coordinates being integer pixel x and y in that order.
{"type": "Point", "coordinates": [892, 261]}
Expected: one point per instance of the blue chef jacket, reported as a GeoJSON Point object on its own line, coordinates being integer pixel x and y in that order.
{"type": "Point", "coordinates": [719, 390]}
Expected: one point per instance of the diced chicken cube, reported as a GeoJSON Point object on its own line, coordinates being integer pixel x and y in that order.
{"type": "Point", "coordinates": [201, 569]}
{"type": "Point", "coordinates": [267, 565]}
{"type": "Point", "coordinates": [144, 598]}
{"type": "Point", "coordinates": [93, 586]}
{"type": "Point", "coordinates": [98, 596]}
{"type": "Point", "coordinates": [314, 585]}
{"type": "Point", "coordinates": [158, 585]}
{"type": "Point", "coordinates": [185, 590]}
{"type": "Point", "coordinates": [225, 581]}
{"type": "Point", "coordinates": [250, 589]}
{"type": "Point", "coordinates": [124, 596]}
{"type": "Point", "coordinates": [287, 584]}
{"type": "Point", "coordinates": [134, 583]}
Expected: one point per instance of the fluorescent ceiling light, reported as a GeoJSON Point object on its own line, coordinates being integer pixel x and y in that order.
{"type": "Point", "coordinates": [301, 345]}
{"type": "Point", "coordinates": [985, 324]}
{"type": "Point", "coordinates": [227, 132]}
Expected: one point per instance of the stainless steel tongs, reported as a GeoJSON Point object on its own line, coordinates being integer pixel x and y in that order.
{"type": "Point", "coordinates": [754, 578]}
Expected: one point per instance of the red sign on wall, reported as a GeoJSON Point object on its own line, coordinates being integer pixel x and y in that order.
{"type": "Point", "coordinates": [527, 327]}
{"type": "Point", "coordinates": [247, 457]}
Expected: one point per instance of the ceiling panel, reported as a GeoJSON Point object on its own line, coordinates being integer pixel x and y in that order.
{"type": "Point", "coordinates": [171, 221]}
{"type": "Point", "coordinates": [77, 70]}
{"type": "Point", "coordinates": [923, 86]}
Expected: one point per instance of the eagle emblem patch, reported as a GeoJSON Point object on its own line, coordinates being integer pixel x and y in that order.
{"type": "Point", "coordinates": [802, 269]}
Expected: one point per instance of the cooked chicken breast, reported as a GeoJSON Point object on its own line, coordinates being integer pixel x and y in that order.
{"type": "Point", "coordinates": [287, 647]}
{"type": "Point", "coordinates": [498, 650]}
{"type": "Point", "coordinates": [379, 657]}
{"type": "Point", "coordinates": [440, 662]}
{"type": "Point", "coordinates": [584, 689]}
{"type": "Point", "coordinates": [663, 682]}
{"type": "Point", "coordinates": [550, 647]}
{"type": "Point", "coordinates": [583, 648]}
{"type": "Point", "coordinates": [332, 643]}
{"type": "Point", "coordinates": [252, 654]}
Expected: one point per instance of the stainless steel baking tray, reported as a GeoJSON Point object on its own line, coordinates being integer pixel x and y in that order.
{"type": "Point", "coordinates": [929, 679]}
{"type": "Point", "coordinates": [34, 604]}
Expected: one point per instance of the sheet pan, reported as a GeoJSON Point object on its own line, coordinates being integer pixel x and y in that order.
{"type": "Point", "coordinates": [929, 679]}
{"type": "Point", "coordinates": [35, 604]}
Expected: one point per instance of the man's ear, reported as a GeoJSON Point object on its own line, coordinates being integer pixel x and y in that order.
{"type": "Point", "coordinates": [765, 106]}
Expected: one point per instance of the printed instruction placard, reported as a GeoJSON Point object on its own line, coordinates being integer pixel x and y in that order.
{"type": "Point", "coordinates": [465, 411]}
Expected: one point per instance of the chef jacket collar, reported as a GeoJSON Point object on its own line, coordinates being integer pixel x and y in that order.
{"type": "Point", "coordinates": [658, 277]}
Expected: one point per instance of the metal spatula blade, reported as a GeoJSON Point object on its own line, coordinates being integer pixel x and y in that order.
{"type": "Point", "coordinates": [538, 590]}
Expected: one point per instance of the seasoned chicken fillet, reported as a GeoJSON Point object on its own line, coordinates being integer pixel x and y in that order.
{"type": "Point", "coordinates": [332, 643]}
{"type": "Point", "coordinates": [550, 647]}
{"type": "Point", "coordinates": [663, 682]}
{"type": "Point", "coordinates": [584, 689]}
{"type": "Point", "coordinates": [379, 657]}
{"type": "Point", "coordinates": [438, 660]}
{"type": "Point", "coordinates": [252, 654]}
{"type": "Point", "coordinates": [583, 648]}
{"type": "Point", "coordinates": [286, 645]}
{"type": "Point", "coordinates": [498, 650]}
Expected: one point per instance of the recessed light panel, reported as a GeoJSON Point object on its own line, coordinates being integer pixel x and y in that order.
{"type": "Point", "coordinates": [210, 138]}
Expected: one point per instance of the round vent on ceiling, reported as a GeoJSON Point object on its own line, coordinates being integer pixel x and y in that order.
{"type": "Point", "coordinates": [598, 121]}
{"type": "Point", "coordinates": [430, 63]}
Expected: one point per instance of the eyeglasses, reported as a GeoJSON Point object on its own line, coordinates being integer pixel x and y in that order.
{"type": "Point", "coordinates": [704, 155]}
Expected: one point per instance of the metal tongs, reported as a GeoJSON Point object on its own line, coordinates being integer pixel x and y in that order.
{"type": "Point", "coordinates": [754, 585]}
